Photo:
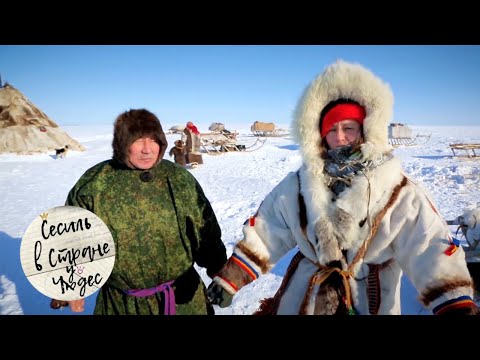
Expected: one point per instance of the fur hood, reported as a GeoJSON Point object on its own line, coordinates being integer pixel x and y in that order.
{"type": "Point", "coordinates": [131, 125]}
{"type": "Point", "coordinates": [344, 80]}
{"type": "Point", "coordinates": [332, 221]}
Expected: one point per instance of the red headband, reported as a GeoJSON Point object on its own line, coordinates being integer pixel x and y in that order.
{"type": "Point", "coordinates": [342, 112]}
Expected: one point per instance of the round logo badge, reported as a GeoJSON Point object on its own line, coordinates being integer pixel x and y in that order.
{"type": "Point", "coordinates": [67, 253]}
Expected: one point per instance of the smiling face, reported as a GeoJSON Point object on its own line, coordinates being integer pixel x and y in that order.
{"type": "Point", "coordinates": [143, 153]}
{"type": "Point", "coordinates": [345, 132]}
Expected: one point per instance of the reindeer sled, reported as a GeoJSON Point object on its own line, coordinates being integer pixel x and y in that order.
{"type": "Point", "coordinates": [401, 135]}
{"type": "Point", "coordinates": [469, 226]}
{"type": "Point", "coordinates": [221, 140]}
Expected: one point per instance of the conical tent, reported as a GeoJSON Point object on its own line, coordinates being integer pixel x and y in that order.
{"type": "Point", "coordinates": [25, 129]}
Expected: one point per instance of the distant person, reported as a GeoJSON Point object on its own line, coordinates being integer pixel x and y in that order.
{"type": "Point", "coordinates": [178, 152]}
{"type": "Point", "coordinates": [192, 144]}
{"type": "Point", "coordinates": [160, 220]}
{"type": "Point", "coordinates": [358, 222]}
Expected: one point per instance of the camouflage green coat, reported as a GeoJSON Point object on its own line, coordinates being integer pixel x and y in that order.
{"type": "Point", "coordinates": [160, 228]}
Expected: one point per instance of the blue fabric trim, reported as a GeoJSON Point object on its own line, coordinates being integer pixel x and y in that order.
{"type": "Point", "coordinates": [452, 301]}
{"type": "Point", "coordinates": [246, 264]}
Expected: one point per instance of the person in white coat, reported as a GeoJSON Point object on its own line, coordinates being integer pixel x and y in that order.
{"type": "Point", "coordinates": [357, 221]}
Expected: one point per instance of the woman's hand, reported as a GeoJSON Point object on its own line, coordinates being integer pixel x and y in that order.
{"type": "Point", "coordinates": [77, 305]}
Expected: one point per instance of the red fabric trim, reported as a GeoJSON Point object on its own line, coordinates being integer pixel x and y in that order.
{"type": "Point", "coordinates": [458, 305]}
{"type": "Point", "coordinates": [234, 287]}
{"type": "Point", "coordinates": [342, 112]}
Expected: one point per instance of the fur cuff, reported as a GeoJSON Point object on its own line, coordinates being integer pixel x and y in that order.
{"type": "Point", "coordinates": [236, 274]}
{"type": "Point", "coordinates": [227, 285]}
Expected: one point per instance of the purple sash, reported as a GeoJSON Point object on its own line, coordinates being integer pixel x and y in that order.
{"type": "Point", "coordinates": [165, 288]}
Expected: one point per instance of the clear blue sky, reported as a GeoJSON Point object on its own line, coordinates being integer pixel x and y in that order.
{"type": "Point", "coordinates": [432, 85]}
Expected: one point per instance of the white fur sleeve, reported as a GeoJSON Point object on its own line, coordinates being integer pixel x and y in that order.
{"type": "Point", "coordinates": [268, 233]}
{"type": "Point", "coordinates": [421, 242]}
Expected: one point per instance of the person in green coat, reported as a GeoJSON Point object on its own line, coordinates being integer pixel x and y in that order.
{"type": "Point", "coordinates": [160, 220]}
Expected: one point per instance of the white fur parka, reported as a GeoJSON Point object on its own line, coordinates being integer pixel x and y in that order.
{"type": "Point", "coordinates": [412, 238]}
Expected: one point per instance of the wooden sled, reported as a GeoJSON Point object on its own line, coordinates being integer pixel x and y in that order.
{"type": "Point", "coordinates": [219, 143]}
{"type": "Point", "coordinates": [401, 135]}
{"type": "Point", "coordinates": [468, 150]}
{"type": "Point", "coordinates": [419, 139]}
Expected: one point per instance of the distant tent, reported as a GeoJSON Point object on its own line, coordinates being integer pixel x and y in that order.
{"type": "Point", "coordinates": [24, 129]}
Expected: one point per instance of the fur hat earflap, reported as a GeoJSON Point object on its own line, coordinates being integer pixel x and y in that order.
{"type": "Point", "coordinates": [132, 125]}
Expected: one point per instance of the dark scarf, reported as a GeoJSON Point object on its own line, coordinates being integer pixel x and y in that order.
{"type": "Point", "coordinates": [343, 163]}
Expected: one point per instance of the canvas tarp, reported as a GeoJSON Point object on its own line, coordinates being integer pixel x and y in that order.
{"type": "Point", "coordinates": [262, 126]}
{"type": "Point", "coordinates": [397, 130]}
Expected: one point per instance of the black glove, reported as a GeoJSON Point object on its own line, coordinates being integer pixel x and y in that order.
{"type": "Point", "coordinates": [217, 295]}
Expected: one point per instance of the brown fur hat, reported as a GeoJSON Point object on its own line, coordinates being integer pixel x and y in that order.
{"type": "Point", "coordinates": [132, 125]}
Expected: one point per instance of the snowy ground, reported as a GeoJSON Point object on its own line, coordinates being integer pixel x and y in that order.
{"type": "Point", "coordinates": [235, 184]}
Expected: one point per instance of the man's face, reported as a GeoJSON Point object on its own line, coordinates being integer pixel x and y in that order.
{"type": "Point", "coordinates": [143, 153]}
